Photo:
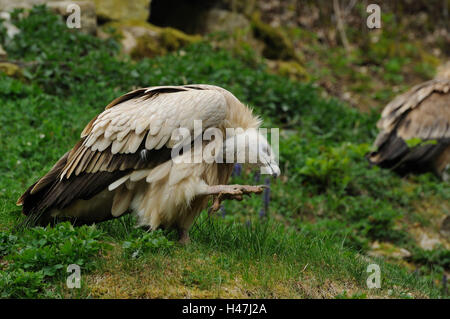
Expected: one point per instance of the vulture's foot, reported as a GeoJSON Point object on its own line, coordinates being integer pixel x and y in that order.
{"type": "Point", "coordinates": [237, 192]}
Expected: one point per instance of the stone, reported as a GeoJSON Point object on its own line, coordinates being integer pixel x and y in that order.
{"type": "Point", "coordinates": [114, 10]}
{"type": "Point", "coordinates": [428, 243]}
{"type": "Point", "coordinates": [140, 39]}
{"type": "Point", "coordinates": [385, 249]}
{"type": "Point", "coordinates": [224, 21]}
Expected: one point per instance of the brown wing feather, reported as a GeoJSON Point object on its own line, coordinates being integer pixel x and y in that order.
{"type": "Point", "coordinates": [83, 155]}
{"type": "Point", "coordinates": [52, 192]}
{"type": "Point", "coordinates": [429, 120]}
{"type": "Point", "coordinates": [403, 104]}
{"type": "Point", "coordinates": [88, 172]}
{"type": "Point", "coordinates": [45, 180]}
{"type": "Point", "coordinates": [422, 112]}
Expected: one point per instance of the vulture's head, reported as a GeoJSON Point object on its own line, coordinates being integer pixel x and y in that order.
{"type": "Point", "coordinates": [252, 148]}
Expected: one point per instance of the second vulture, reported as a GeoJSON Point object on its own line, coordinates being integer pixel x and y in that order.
{"type": "Point", "coordinates": [415, 130]}
{"type": "Point", "coordinates": [127, 160]}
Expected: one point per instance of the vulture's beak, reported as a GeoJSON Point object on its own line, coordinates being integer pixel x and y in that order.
{"type": "Point", "coordinates": [272, 169]}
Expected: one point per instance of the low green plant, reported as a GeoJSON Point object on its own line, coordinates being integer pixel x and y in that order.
{"type": "Point", "coordinates": [344, 295]}
{"type": "Point", "coordinates": [437, 259]}
{"type": "Point", "coordinates": [51, 249]}
{"type": "Point", "coordinates": [21, 284]}
{"type": "Point", "coordinates": [147, 242]}
{"type": "Point", "coordinates": [36, 256]}
{"type": "Point", "coordinates": [7, 242]}
{"type": "Point", "coordinates": [330, 169]}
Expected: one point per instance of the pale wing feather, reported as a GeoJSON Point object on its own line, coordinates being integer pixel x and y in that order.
{"type": "Point", "coordinates": [118, 182]}
{"type": "Point", "coordinates": [159, 172]}
{"type": "Point", "coordinates": [121, 201]}
{"type": "Point", "coordinates": [150, 114]}
{"type": "Point", "coordinates": [139, 174]}
{"type": "Point", "coordinates": [163, 113]}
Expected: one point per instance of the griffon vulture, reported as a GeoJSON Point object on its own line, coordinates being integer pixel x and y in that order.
{"type": "Point", "coordinates": [415, 130]}
{"type": "Point", "coordinates": [125, 162]}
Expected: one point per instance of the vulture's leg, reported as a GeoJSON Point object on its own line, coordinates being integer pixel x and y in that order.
{"type": "Point", "coordinates": [222, 192]}
{"type": "Point", "coordinates": [183, 236]}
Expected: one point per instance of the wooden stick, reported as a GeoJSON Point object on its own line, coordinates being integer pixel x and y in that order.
{"type": "Point", "coordinates": [237, 192]}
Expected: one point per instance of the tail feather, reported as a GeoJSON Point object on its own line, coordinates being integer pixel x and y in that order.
{"type": "Point", "coordinates": [395, 154]}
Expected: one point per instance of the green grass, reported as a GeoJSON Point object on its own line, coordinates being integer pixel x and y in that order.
{"type": "Point", "coordinates": [39, 256]}
{"type": "Point", "coordinates": [324, 212]}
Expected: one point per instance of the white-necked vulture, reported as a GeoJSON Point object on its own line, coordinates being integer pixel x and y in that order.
{"type": "Point", "coordinates": [128, 160]}
{"type": "Point", "coordinates": [415, 130]}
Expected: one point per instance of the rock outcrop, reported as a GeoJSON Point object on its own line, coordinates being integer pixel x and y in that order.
{"type": "Point", "coordinates": [140, 39]}
{"type": "Point", "coordinates": [218, 20]}
{"type": "Point", "coordinates": [114, 10]}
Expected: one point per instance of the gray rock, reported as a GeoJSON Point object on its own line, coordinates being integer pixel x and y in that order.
{"type": "Point", "coordinates": [429, 243]}
{"type": "Point", "coordinates": [114, 10]}
{"type": "Point", "coordinates": [223, 20]}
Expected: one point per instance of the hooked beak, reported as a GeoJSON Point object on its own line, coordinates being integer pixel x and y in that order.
{"type": "Point", "coordinates": [272, 169]}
